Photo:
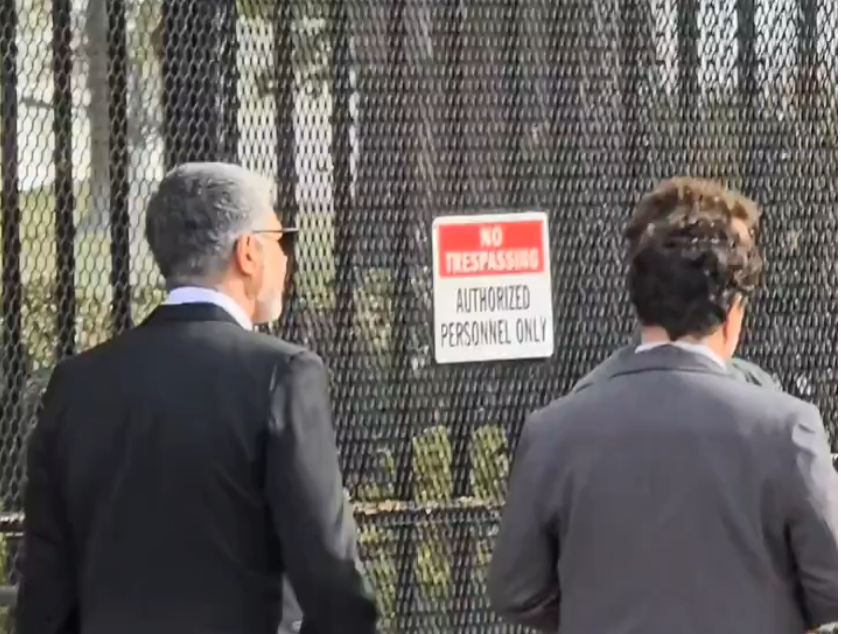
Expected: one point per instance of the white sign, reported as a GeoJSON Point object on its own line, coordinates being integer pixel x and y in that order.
{"type": "Point", "coordinates": [492, 287]}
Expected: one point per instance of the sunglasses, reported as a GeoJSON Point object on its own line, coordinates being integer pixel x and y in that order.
{"type": "Point", "coordinates": [286, 238]}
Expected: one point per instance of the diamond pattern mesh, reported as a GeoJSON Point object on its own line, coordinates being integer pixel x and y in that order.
{"type": "Point", "coordinates": [376, 116]}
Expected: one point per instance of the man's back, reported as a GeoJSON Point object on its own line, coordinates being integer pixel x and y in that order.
{"type": "Point", "coordinates": [161, 451]}
{"type": "Point", "coordinates": [673, 493]}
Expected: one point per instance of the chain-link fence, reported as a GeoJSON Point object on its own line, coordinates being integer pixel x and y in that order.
{"type": "Point", "coordinates": [376, 116]}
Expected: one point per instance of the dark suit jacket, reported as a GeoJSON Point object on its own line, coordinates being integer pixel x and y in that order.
{"type": "Point", "coordinates": [670, 498]}
{"type": "Point", "coordinates": [175, 475]}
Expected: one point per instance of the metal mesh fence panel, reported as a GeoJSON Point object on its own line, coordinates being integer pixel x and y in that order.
{"type": "Point", "coordinates": [376, 116]}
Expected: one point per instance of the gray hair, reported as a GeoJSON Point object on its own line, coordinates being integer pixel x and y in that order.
{"type": "Point", "coordinates": [197, 214]}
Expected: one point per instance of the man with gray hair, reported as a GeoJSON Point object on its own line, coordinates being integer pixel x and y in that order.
{"type": "Point", "coordinates": [179, 471]}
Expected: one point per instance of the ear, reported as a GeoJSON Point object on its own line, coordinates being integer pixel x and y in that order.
{"type": "Point", "coordinates": [245, 254]}
{"type": "Point", "coordinates": [735, 316]}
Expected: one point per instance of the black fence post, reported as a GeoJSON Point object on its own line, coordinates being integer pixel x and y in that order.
{"type": "Point", "coordinates": [815, 153]}
{"type": "Point", "coordinates": [746, 66]}
{"type": "Point", "coordinates": [807, 62]}
{"type": "Point", "coordinates": [284, 93]}
{"type": "Point", "coordinates": [65, 200]}
{"type": "Point", "coordinates": [460, 423]}
{"type": "Point", "coordinates": [285, 151]}
{"type": "Point", "coordinates": [402, 249]}
{"type": "Point", "coordinates": [566, 37]}
{"type": "Point", "coordinates": [119, 163]}
{"type": "Point", "coordinates": [634, 67]}
{"type": "Point", "coordinates": [230, 104]}
{"type": "Point", "coordinates": [504, 377]}
{"type": "Point", "coordinates": [512, 88]}
{"type": "Point", "coordinates": [688, 82]}
{"type": "Point", "coordinates": [191, 80]}
{"type": "Point", "coordinates": [13, 359]}
{"type": "Point", "coordinates": [344, 345]}
{"type": "Point", "coordinates": [13, 362]}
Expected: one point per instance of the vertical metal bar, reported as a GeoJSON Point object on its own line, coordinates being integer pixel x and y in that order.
{"type": "Point", "coordinates": [566, 30]}
{"type": "Point", "coordinates": [344, 244]}
{"type": "Point", "coordinates": [455, 181]}
{"type": "Point", "coordinates": [374, 135]}
{"type": "Point", "coordinates": [456, 378]}
{"type": "Point", "coordinates": [807, 62]}
{"type": "Point", "coordinates": [230, 82]}
{"type": "Point", "coordinates": [508, 374]}
{"type": "Point", "coordinates": [512, 73]}
{"type": "Point", "coordinates": [636, 58]}
{"type": "Point", "coordinates": [688, 34]}
{"type": "Point", "coordinates": [493, 382]}
{"type": "Point", "coordinates": [13, 360]}
{"type": "Point", "coordinates": [396, 174]}
{"type": "Point", "coordinates": [285, 148]}
{"type": "Point", "coordinates": [402, 250]}
{"type": "Point", "coordinates": [462, 423]}
{"type": "Point", "coordinates": [65, 200]}
{"type": "Point", "coordinates": [119, 166]}
{"type": "Point", "coordinates": [747, 64]}
{"type": "Point", "coordinates": [633, 20]}
{"type": "Point", "coordinates": [688, 82]}
{"type": "Point", "coordinates": [190, 81]}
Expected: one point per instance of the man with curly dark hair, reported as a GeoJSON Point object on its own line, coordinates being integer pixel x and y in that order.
{"type": "Point", "coordinates": [668, 497]}
{"type": "Point", "coordinates": [653, 208]}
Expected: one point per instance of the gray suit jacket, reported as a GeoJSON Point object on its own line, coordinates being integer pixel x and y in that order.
{"type": "Point", "coordinates": [739, 369]}
{"type": "Point", "coordinates": [670, 498]}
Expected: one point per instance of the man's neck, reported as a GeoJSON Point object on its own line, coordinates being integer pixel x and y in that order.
{"type": "Point", "coordinates": [203, 294]}
{"type": "Point", "coordinates": [659, 336]}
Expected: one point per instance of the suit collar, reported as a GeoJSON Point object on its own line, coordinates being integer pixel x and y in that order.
{"type": "Point", "coordinates": [667, 358]}
{"type": "Point", "coordinates": [695, 348]}
{"type": "Point", "coordinates": [204, 311]}
{"type": "Point", "coordinates": [198, 295]}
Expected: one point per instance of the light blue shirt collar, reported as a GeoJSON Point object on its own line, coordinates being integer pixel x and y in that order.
{"type": "Point", "coordinates": [198, 295]}
{"type": "Point", "coordinates": [696, 348]}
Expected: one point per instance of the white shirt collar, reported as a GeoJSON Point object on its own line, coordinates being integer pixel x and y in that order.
{"type": "Point", "coordinates": [198, 295]}
{"type": "Point", "coordinates": [697, 348]}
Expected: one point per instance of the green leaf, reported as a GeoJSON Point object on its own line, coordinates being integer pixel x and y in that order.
{"type": "Point", "coordinates": [256, 9]}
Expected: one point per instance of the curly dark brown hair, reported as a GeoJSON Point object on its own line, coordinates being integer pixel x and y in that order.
{"type": "Point", "coordinates": [677, 195]}
{"type": "Point", "coordinates": [689, 263]}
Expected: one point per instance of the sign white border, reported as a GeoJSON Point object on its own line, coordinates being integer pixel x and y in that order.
{"type": "Point", "coordinates": [491, 218]}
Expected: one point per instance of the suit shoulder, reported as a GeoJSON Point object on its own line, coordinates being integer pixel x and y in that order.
{"type": "Point", "coordinates": [85, 359]}
{"type": "Point", "coordinates": [751, 401]}
{"type": "Point", "coordinates": [276, 354]}
{"type": "Point", "coordinates": [774, 408]}
{"type": "Point", "coordinates": [752, 373]}
{"type": "Point", "coordinates": [283, 350]}
{"type": "Point", "coordinates": [269, 349]}
{"type": "Point", "coordinates": [603, 370]}
{"type": "Point", "coordinates": [546, 420]}
{"type": "Point", "coordinates": [757, 395]}
{"type": "Point", "coordinates": [791, 408]}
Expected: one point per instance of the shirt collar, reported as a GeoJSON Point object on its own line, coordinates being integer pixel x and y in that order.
{"type": "Point", "coordinates": [696, 348]}
{"type": "Point", "coordinates": [198, 295]}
